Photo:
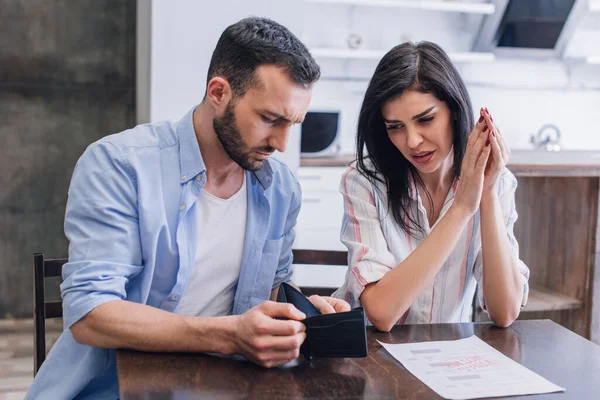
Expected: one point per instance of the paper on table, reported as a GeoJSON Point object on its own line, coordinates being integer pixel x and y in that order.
{"type": "Point", "coordinates": [468, 369]}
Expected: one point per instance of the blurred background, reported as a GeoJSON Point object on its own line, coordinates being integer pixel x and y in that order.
{"type": "Point", "coordinates": [72, 72]}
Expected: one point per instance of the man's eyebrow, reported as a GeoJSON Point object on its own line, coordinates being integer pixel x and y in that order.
{"type": "Point", "coordinates": [275, 115]}
{"type": "Point", "coordinates": [280, 117]}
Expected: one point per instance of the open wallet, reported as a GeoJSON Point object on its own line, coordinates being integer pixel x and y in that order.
{"type": "Point", "coordinates": [341, 334]}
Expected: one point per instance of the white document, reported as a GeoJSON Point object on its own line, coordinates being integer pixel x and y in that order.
{"type": "Point", "coordinates": [468, 369]}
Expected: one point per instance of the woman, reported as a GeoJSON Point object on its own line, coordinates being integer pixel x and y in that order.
{"type": "Point", "coordinates": [429, 207]}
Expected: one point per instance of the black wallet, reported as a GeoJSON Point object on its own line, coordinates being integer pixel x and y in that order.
{"type": "Point", "coordinates": [328, 335]}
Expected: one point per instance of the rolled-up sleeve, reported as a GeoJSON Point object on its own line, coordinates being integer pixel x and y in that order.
{"type": "Point", "coordinates": [101, 224]}
{"type": "Point", "coordinates": [507, 190]}
{"type": "Point", "coordinates": [368, 256]}
{"type": "Point", "coordinates": [284, 269]}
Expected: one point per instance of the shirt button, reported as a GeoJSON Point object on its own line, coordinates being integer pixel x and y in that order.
{"type": "Point", "coordinates": [184, 178]}
{"type": "Point", "coordinates": [182, 207]}
{"type": "Point", "coordinates": [200, 178]}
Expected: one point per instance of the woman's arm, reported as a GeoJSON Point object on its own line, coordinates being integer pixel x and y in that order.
{"type": "Point", "coordinates": [386, 300]}
{"type": "Point", "coordinates": [502, 279]}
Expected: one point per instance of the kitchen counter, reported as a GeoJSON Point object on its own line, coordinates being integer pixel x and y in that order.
{"type": "Point", "coordinates": [558, 231]}
{"type": "Point", "coordinates": [521, 162]}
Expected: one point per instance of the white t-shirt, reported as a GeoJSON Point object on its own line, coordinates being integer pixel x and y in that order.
{"type": "Point", "coordinates": [221, 233]}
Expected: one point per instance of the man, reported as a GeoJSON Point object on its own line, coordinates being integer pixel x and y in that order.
{"type": "Point", "coordinates": [181, 232]}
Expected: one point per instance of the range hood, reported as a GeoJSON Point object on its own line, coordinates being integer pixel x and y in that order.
{"type": "Point", "coordinates": [529, 28]}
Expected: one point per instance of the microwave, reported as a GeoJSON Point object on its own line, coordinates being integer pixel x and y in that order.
{"type": "Point", "coordinates": [320, 134]}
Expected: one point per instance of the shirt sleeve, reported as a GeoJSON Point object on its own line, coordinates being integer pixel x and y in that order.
{"type": "Point", "coordinates": [284, 269]}
{"type": "Point", "coordinates": [101, 224]}
{"type": "Point", "coordinates": [368, 256]}
{"type": "Point", "coordinates": [507, 190]}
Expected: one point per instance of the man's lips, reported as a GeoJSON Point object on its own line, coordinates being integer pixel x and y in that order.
{"type": "Point", "coordinates": [263, 154]}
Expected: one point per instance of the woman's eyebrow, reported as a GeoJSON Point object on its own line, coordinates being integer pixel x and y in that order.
{"type": "Point", "coordinates": [423, 113]}
{"type": "Point", "coordinates": [419, 115]}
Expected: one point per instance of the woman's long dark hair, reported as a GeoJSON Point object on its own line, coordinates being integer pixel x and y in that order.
{"type": "Point", "coordinates": [424, 67]}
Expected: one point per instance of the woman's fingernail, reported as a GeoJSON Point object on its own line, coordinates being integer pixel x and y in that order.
{"type": "Point", "coordinates": [491, 118]}
{"type": "Point", "coordinates": [493, 134]}
{"type": "Point", "coordinates": [485, 128]}
{"type": "Point", "coordinates": [487, 112]}
{"type": "Point", "coordinates": [480, 119]}
{"type": "Point", "coordinates": [487, 143]}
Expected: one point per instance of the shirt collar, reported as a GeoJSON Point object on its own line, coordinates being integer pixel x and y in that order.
{"type": "Point", "coordinates": [265, 175]}
{"type": "Point", "coordinates": [190, 158]}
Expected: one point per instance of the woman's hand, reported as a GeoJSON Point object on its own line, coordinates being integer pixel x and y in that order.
{"type": "Point", "coordinates": [470, 186]}
{"type": "Point", "coordinates": [499, 154]}
{"type": "Point", "coordinates": [329, 305]}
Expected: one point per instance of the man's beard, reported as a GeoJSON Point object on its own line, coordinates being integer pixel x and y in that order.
{"type": "Point", "coordinates": [231, 140]}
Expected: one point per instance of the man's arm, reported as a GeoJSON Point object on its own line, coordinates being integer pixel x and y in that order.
{"type": "Point", "coordinates": [125, 324]}
{"type": "Point", "coordinates": [102, 226]}
{"type": "Point", "coordinates": [255, 334]}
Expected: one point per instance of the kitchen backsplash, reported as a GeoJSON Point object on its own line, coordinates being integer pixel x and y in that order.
{"type": "Point", "coordinates": [518, 112]}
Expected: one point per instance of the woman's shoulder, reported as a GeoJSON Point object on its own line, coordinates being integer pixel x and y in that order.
{"type": "Point", "coordinates": [353, 177]}
{"type": "Point", "coordinates": [364, 174]}
{"type": "Point", "coordinates": [356, 179]}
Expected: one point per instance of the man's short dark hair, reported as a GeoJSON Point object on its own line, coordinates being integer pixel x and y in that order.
{"type": "Point", "coordinates": [252, 42]}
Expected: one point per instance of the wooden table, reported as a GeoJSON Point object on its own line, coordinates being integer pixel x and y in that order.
{"type": "Point", "coordinates": [543, 346]}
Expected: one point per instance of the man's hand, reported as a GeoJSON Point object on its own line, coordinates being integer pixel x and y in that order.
{"type": "Point", "coordinates": [329, 305]}
{"type": "Point", "coordinates": [267, 341]}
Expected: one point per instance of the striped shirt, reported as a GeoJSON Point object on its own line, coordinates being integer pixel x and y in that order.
{"type": "Point", "coordinates": [376, 245]}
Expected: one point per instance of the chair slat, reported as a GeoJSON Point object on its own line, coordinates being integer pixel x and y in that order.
{"type": "Point", "coordinates": [320, 257]}
{"type": "Point", "coordinates": [43, 268]}
{"type": "Point", "coordinates": [54, 267]}
{"type": "Point", "coordinates": [38, 312]}
{"type": "Point", "coordinates": [54, 309]}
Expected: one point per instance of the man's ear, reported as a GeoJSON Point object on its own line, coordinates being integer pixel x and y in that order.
{"type": "Point", "coordinates": [218, 93]}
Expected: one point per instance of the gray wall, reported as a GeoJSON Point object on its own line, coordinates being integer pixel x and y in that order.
{"type": "Point", "coordinates": [67, 78]}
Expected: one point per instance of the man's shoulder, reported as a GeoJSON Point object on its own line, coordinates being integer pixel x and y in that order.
{"type": "Point", "coordinates": [121, 150]}
{"type": "Point", "coordinates": [159, 135]}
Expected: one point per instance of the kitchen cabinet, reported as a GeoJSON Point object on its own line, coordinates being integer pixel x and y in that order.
{"type": "Point", "coordinates": [318, 225]}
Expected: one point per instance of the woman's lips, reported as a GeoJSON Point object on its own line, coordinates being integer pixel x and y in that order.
{"type": "Point", "coordinates": [423, 157]}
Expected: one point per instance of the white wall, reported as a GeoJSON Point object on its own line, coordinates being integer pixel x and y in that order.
{"type": "Point", "coordinates": [519, 111]}
{"type": "Point", "coordinates": [523, 95]}
{"type": "Point", "coordinates": [184, 35]}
